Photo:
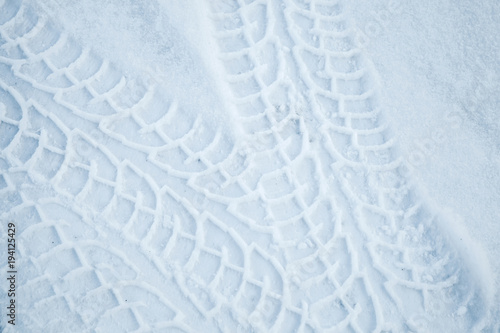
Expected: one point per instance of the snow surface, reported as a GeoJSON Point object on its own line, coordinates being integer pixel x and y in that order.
{"type": "Point", "coordinates": [251, 166]}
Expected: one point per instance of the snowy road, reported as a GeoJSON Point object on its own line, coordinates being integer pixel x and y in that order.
{"type": "Point", "coordinates": [227, 166]}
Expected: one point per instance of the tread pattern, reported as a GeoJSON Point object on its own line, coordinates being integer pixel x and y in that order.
{"type": "Point", "coordinates": [349, 218]}
{"type": "Point", "coordinates": [137, 214]}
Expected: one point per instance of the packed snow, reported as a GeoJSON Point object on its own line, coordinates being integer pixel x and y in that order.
{"type": "Point", "coordinates": [249, 166]}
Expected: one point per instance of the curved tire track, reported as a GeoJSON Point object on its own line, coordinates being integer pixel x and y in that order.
{"type": "Point", "coordinates": [135, 214]}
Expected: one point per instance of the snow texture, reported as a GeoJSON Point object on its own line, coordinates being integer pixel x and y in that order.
{"type": "Point", "coordinates": [222, 166]}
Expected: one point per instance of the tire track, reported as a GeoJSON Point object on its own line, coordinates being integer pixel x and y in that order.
{"type": "Point", "coordinates": [137, 214]}
{"type": "Point", "coordinates": [329, 84]}
{"type": "Point", "coordinates": [92, 192]}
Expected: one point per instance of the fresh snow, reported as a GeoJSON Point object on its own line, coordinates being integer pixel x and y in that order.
{"type": "Point", "coordinates": [250, 166]}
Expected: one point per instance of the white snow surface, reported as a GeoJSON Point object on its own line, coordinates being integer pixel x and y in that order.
{"type": "Point", "coordinates": [250, 165]}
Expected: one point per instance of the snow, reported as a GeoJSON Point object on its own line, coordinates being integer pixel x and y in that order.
{"type": "Point", "coordinates": [251, 166]}
{"type": "Point", "coordinates": [439, 67]}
